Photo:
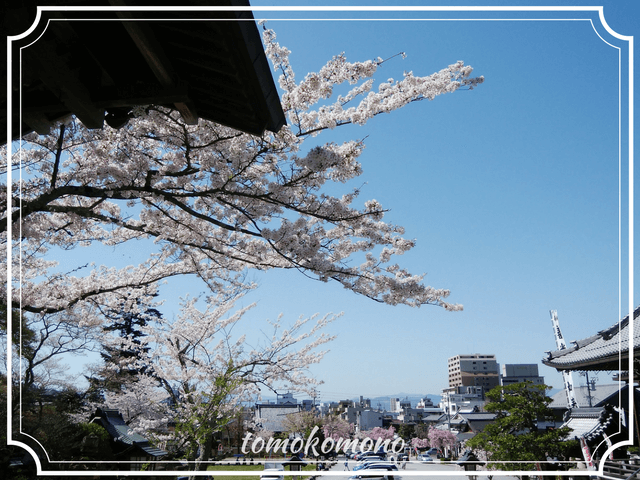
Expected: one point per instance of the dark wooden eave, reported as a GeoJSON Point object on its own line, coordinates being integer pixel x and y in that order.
{"type": "Point", "coordinates": [97, 65]}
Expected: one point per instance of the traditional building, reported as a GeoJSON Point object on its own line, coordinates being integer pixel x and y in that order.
{"type": "Point", "coordinates": [126, 445]}
{"type": "Point", "coordinates": [590, 395]}
{"type": "Point", "coordinates": [99, 65]}
{"type": "Point", "coordinates": [476, 421]}
{"type": "Point", "coordinates": [607, 350]}
{"type": "Point", "coordinates": [607, 421]}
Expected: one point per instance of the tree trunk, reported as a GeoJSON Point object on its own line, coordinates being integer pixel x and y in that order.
{"type": "Point", "coordinates": [204, 454]}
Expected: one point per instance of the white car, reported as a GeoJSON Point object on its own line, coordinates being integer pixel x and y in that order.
{"type": "Point", "coordinates": [386, 472]}
{"type": "Point", "coordinates": [425, 458]}
{"type": "Point", "coordinates": [368, 463]}
{"type": "Point", "coordinates": [272, 471]}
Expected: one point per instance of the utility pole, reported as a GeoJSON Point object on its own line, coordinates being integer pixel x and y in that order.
{"type": "Point", "coordinates": [591, 386]}
{"type": "Point", "coordinates": [449, 410]}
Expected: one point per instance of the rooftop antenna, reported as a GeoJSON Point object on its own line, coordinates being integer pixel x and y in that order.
{"type": "Point", "coordinates": [566, 375]}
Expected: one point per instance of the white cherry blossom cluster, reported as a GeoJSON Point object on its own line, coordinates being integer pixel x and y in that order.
{"type": "Point", "coordinates": [299, 99]}
{"type": "Point", "coordinates": [208, 201]}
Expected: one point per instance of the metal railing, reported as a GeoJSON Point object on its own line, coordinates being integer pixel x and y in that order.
{"type": "Point", "coordinates": [621, 469]}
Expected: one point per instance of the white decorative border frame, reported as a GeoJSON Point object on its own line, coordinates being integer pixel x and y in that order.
{"type": "Point", "coordinates": [408, 9]}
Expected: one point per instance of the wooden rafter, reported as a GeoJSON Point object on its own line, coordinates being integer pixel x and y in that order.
{"type": "Point", "coordinates": [155, 57]}
{"type": "Point", "coordinates": [59, 76]}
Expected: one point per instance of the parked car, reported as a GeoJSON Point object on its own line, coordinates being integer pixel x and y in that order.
{"type": "Point", "coordinates": [375, 477]}
{"type": "Point", "coordinates": [362, 455]}
{"type": "Point", "coordinates": [381, 467]}
{"type": "Point", "coordinates": [433, 452]}
{"type": "Point", "coordinates": [272, 471]}
{"type": "Point", "coordinates": [363, 463]}
{"type": "Point", "coordinates": [367, 463]}
{"type": "Point", "coordinates": [366, 455]}
{"type": "Point", "coordinates": [425, 458]}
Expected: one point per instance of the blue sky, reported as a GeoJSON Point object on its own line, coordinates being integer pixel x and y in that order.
{"type": "Point", "coordinates": [511, 190]}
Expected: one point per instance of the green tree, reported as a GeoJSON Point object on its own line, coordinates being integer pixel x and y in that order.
{"type": "Point", "coordinates": [43, 397]}
{"type": "Point", "coordinates": [406, 430]}
{"type": "Point", "coordinates": [514, 441]}
{"type": "Point", "coordinates": [127, 355]}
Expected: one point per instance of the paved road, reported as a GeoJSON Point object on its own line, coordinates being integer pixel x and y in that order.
{"type": "Point", "coordinates": [431, 470]}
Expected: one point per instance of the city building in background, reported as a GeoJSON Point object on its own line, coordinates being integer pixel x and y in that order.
{"type": "Point", "coordinates": [479, 370]}
{"type": "Point", "coordinates": [520, 372]}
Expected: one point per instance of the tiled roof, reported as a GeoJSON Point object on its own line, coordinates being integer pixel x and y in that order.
{"type": "Point", "coordinates": [477, 421]}
{"type": "Point", "coordinates": [603, 351]}
{"type": "Point", "coordinates": [433, 418]}
{"type": "Point", "coordinates": [465, 436]}
{"type": "Point", "coordinates": [598, 395]}
{"type": "Point", "coordinates": [457, 421]}
{"type": "Point", "coordinates": [478, 416]}
{"type": "Point", "coordinates": [114, 423]}
{"type": "Point", "coordinates": [589, 423]}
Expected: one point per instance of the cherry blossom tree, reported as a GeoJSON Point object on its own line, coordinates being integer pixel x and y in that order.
{"type": "Point", "coordinates": [200, 373]}
{"type": "Point", "coordinates": [420, 443]}
{"type": "Point", "coordinates": [441, 439]}
{"type": "Point", "coordinates": [301, 423]}
{"type": "Point", "coordinates": [379, 433]}
{"type": "Point", "coordinates": [214, 201]}
{"type": "Point", "coordinates": [210, 202]}
{"type": "Point", "coordinates": [335, 427]}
